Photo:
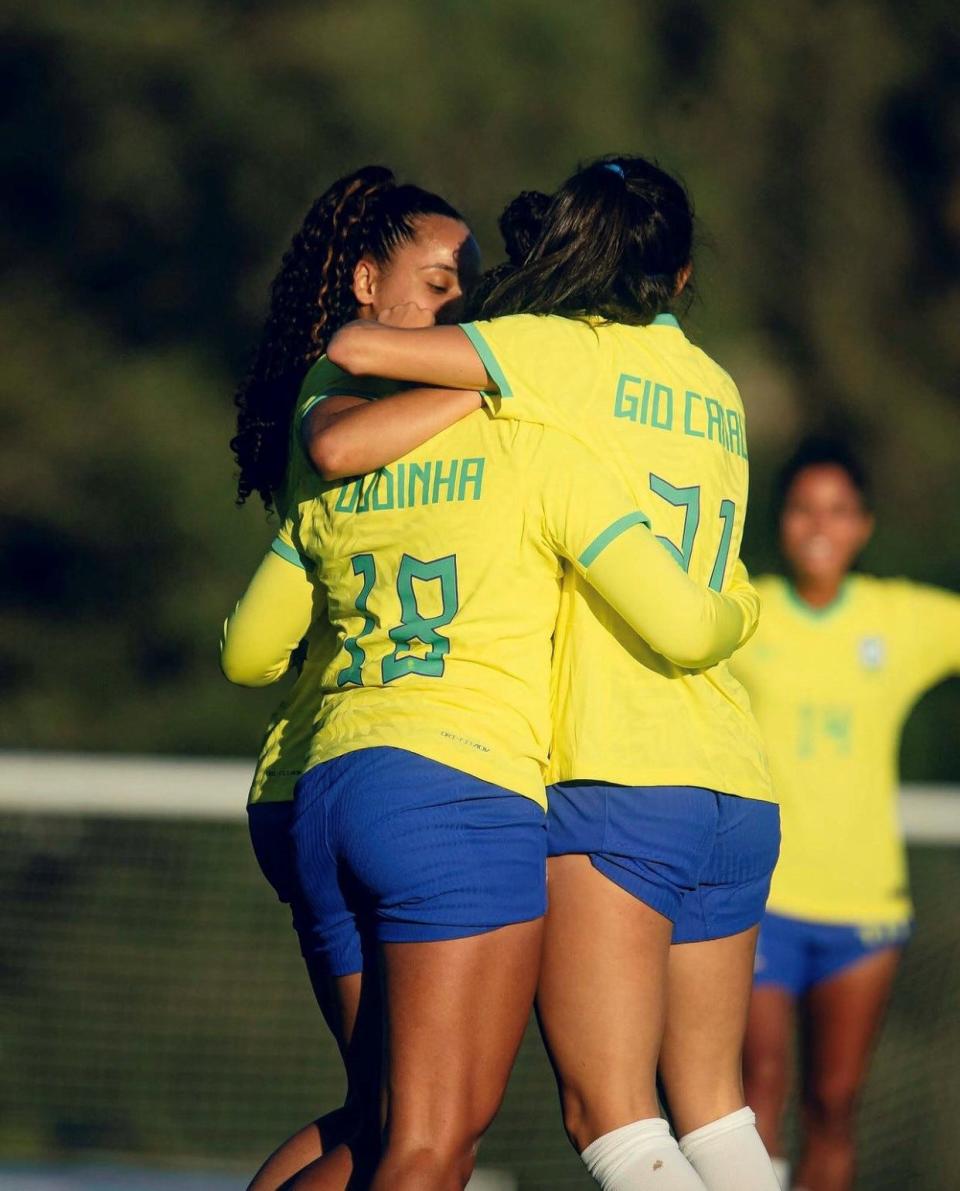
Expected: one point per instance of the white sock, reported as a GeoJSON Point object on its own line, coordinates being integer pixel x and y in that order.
{"type": "Point", "coordinates": [640, 1157]}
{"type": "Point", "coordinates": [781, 1168]}
{"type": "Point", "coordinates": [729, 1155]}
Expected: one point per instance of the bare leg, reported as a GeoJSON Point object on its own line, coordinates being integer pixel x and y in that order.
{"type": "Point", "coordinates": [301, 1149]}
{"type": "Point", "coordinates": [700, 1060]}
{"type": "Point", "coordinates": [768, 1061]}
{"type": "Point", "coordinates": [601, 999]}
{"type": "Point", "coordinates": [456, 1013]}
{"type": "Point", "coordinates": [351, 1007]}
{"type": "Point", "coordinates": [844, 1017]}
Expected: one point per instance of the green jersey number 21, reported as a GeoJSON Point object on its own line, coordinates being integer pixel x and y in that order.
{"type": "Point", "coordinates": [688, 499]}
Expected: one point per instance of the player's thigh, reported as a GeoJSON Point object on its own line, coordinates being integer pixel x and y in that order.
{"type": "Point", "coordinates": [360, 1035]}
{"type": "Point", "coordinates": [353, 1012]}
{"type": "Point", "coordinates": [623, 859]}
{"type": "Point", "coordinates": [455, 870]}
{"type": "Point", "coordinates": [456, 1011]}
{"type": "Point", "coordinates": [601, 997]}
{"type": "Point", "coordinates": [341, 998]}
{"type": "Point", "coordinates": [708, 998]}
{"type": "Point", "coordinates": [843, 1015]}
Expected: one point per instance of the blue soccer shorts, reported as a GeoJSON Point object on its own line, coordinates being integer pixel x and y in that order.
{"type": "Point", "coordinates": [273, 847]}
{"type": "Point", "coordinates": [394, 847]}
{"type": "Point", "coordinates": [797, 953]}
{"type": "Point", "coordinates": [702, 859]}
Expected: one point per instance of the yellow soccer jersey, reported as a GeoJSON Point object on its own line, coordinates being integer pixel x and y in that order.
{"type": "Point", "coordinates": [668, 423]}
{"type": "Point", "coordinates": [286, 745]}
{"type": "Point", "coordinates": [442, 576]}
{"type": "Point", "coordinates": [832, 690]}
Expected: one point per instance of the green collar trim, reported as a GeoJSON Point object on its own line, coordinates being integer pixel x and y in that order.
{"type": "Point", "coordinates": [800, 605]}
{"type": "Point", "coordinates": [665, 320]}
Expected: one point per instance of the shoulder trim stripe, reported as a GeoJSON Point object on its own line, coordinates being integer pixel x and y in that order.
{"type": "Point", "coordinates": [603, 540]}
{"type": "Point", "coordinates": [482, 349]}
{"type": "Point", "coordinates": [287, 553]}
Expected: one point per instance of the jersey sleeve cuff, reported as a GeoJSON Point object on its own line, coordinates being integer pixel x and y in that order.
{"type": "Point", "coordinates": [287, 553]}
{"type": "Point", "coordinates": [489, 360]}
{"type": "Point", "coordinates": [610, 534]}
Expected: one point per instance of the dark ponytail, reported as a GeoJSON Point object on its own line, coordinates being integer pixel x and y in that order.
{"type": "Point", "coordinates": [612, 244]}
{"type": "Point", "coordinates": [363, 214]}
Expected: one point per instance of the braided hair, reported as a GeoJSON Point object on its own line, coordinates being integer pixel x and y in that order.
{"type": "Point", "coordinates": [363, 214]}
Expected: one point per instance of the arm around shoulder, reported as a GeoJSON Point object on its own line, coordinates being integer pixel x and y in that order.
{"type": "Point", "coordinates": [366, 435]}
{"type": "Point", "coordinates": [692, 626]}
{"type": "Point", "coordinates": [432, 355]}
{"type": "Point", "coordinates": [593, 521]}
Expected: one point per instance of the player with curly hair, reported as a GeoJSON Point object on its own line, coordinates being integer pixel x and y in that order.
{"type": "Point", "coordinates": [367, 244]}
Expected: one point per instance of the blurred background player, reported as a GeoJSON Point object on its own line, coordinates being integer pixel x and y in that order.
{"type": "Point", "coordinates": [662, 825]}
{"type": "Point", "coordinates": [367, 244]}
{"type": "Point", "coordinates": [839, 660]}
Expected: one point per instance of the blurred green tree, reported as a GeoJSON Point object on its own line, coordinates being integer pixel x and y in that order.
{"type": "Point", "coordinates": [161, 155]}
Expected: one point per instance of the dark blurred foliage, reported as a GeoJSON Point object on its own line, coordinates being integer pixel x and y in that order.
{"type": "Point", "coordinates": [161, 154]}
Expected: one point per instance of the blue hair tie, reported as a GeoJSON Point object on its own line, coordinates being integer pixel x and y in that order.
{"type": "Point", "coordinates": [615, 166]}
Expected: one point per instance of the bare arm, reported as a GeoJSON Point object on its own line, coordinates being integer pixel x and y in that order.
{"type": "Point", "coordinates": [353, 436]}
{"type": "Point", "coordinates": [432, 355]}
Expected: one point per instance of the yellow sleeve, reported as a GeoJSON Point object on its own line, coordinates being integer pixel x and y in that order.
{"type": "Point", "coordinates": [934, 614]}
{"type": "Point", "coordinates": [269, 622]}
{"type": "Point", "coordinates": [543, 367]}
{"type": "Point", "coordinates": [591, 520]}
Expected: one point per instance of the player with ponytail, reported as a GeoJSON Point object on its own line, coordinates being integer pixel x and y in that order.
{"type": "Point", "coordinates": [663, 829]}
